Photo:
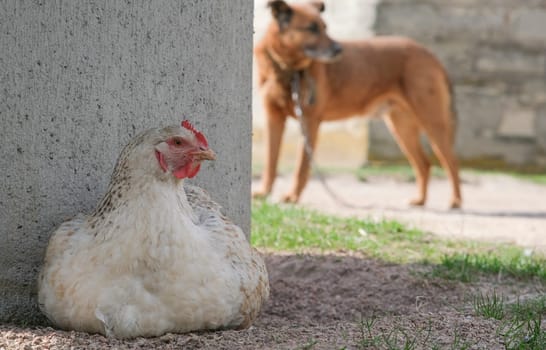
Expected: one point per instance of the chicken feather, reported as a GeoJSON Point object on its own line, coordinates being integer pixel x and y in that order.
{"type": "Point", "coordinates": [156, 256]}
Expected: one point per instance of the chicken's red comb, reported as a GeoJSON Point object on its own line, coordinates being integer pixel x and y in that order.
{"type": "Point", "coordinates": [198, 135]}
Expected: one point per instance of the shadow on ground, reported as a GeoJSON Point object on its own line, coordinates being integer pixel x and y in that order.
{"type": "Point", "coordinates": [328, 302]}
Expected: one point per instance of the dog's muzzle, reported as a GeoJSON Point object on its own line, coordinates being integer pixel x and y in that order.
{"type": "Point", "coordinates": [328, 54]}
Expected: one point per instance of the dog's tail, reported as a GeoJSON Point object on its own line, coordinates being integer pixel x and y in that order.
{"type": "Point", "coordinates": [452, 108]}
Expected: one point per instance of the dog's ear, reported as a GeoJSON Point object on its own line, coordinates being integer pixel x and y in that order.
{"type": "Point", "coordinates": [319, 5]}
{"type": "Point", "coordinates": [281, 12]}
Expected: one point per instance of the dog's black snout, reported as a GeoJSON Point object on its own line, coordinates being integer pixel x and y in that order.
{"type": "Point", "coordinates": [336, 48]}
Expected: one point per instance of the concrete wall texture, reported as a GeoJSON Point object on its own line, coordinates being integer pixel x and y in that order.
{"type": "Point", "coordinates": [78, 79]}
{"type": "Point", "coordinates": [494, 51]}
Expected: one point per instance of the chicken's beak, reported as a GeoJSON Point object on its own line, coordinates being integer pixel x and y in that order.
{"type": "Point", "coordinates": [204, 154]}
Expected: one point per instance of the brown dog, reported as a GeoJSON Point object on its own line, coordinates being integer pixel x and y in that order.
{"type": "Point", "coordinates": [338, 80]}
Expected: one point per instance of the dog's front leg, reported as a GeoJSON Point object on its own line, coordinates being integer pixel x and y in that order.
{"type": "Point", "coordinates": [303, 163]}
{"type": "Point", "coordinates": [275, 121]}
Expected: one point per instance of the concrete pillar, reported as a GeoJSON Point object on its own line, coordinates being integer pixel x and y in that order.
{"type": "Point", "coordinates": [78, 79]}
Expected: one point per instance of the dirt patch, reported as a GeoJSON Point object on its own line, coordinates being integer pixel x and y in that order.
{"type": "Point", "coordinates": [324, 302]}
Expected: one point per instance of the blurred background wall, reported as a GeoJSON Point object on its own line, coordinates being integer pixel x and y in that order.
{"type": "Point", "coordinates": [495, 53]}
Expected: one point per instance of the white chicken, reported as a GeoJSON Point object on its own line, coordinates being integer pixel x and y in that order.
{"type": "Point", "coordinates": [156, 256]}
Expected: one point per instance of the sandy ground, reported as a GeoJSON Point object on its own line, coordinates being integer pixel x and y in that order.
{"type": "Point", "coordinates": [325, 301]}
{"type": "Point", "coordinates": [495, 207]}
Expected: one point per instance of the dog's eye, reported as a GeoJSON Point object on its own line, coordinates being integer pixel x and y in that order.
{"type": "Point", "coordinates": [314, 28]}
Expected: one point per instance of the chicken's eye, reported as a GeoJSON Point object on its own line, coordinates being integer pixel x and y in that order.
{"type": "Point", "coordinates": [177, 141]}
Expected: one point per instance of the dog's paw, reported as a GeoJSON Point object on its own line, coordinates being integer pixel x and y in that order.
{"type": "Point", "coordinates": [418, 202]}
{"type": "Point", "coordinates": [456, 204]}
{"type": "Point", "coordinates": [290, 198]}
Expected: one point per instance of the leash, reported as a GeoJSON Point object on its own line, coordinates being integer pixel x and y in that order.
{"type": "Point", "coordinates": [295, 85]}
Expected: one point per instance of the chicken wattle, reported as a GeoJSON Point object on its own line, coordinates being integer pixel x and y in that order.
{"type": "Point", "coordinates": [157, 255]}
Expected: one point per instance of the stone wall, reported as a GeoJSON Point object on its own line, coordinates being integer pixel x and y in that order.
{"type": "Point", "coordinates": [495, 53]}
{"type": "Point", "coordinates": [78, 79]}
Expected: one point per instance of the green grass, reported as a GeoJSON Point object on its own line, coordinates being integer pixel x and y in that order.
{"type": "Point", "coordinates": [521, 323]}
{"type": "Point", "coordinates": [536, 178]}
{"type": "Point", "coordinates": [397, 338]}
{"type": "Point", "coordinates": [528, 309]}
{"type": "Point", "coordinates": [522, 329]}
{"type": "Point", "coordinates": [402, 338]}
{"type": "Point", "coordinates": [489, 306]}
{"type": "Point", "coordinates": [291, 228]}
{"type": "Point", "coordinates": [509, 261]}
{"type": "Point", "coordinates": [405, 173]}
{"type": "Point", "coordinates": [519, 327]}
{"type": "Point", "coordinates": [523, 335]}
{"type": "Point", "coordinates": [399, 172]}
{"type": "Point", "coordinates": [296, 229]}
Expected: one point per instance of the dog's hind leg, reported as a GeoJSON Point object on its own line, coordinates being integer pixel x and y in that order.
{"type": "Point", "coordinates": [301, 175]}
{"type": "Point", "coordinates": [438, 123]}
{"type": "Point", "coordinates": [274, 130]}
{"type": "Point", "coordinates": [441, 141]}
{"type": "Point", "coordinates": [406, 131]}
